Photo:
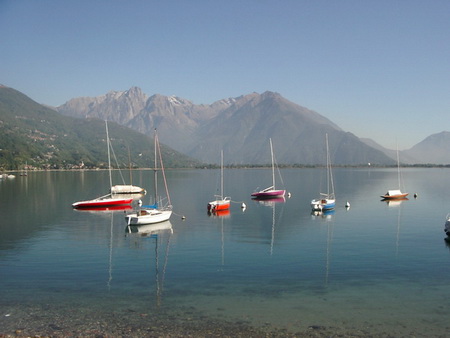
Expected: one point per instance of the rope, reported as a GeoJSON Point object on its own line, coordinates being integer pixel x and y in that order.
{"type": "Point", "coordinates": [182, 216]}
{"type": "Point", "coordinates": [237, 202]}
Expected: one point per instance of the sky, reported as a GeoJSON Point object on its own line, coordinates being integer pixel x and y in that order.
{"type": "Point", "coordinates": [378, 69]}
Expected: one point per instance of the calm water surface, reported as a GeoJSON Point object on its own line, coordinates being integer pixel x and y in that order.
{"type": "Point", "coordinates": [377, 267]}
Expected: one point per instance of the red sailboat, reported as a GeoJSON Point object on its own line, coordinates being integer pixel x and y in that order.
{"type": "Point", "coordinates": [220, 203]}
{"type": "Point", "coordinates": [107, 200]}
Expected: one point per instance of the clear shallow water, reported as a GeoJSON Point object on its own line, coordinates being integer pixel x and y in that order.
{"type": "Point", "coordinates": [377, 267]}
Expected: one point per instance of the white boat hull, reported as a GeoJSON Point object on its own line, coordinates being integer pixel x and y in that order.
{"type": "Point", "coordinates": [148, 216]}
{"type": "Point", "coordinates": [127, 189]}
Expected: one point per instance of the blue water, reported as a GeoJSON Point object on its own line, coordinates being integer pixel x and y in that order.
{"type": "Point", "coordinates": [376, 268]}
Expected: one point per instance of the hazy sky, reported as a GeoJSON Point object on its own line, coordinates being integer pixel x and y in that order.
{"type": "Point", "coordinates": [379, 69]}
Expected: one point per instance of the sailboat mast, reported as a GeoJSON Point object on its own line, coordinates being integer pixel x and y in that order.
{"type": "Point", "coordinates": [398, 168]}
{"type": "Point", "coordinates": [109, 155]}
{"type": "Point", "coordinates": [329, 172]}
{"type": "Point", "coordinates": [221, 174]}
{"type": "Point", "coordinates": [156, 169]}
{"type": "Point", "coordinates": [328, 165]}
{"type": "Point", "coordinates": [129, 165]}
{"type": "Point", "coordinates": [273, 167]}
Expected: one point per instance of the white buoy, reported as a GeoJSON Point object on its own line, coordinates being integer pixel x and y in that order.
{"type": "Point", "coordinates": [243, 206]}
{"type": "Point", "coordinates": [183, 217]}
{"type": "Point", "coordinates": [347, 205]}
{"type": "Point", "coordinates": [289, 195]}
{"type": "Point", "coordinates": [140, 203]}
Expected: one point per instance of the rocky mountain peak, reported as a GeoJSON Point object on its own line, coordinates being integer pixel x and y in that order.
{"type": "Point", "coordinates": [241, 126]}
{"type": "Point", "coordinates": [136, 93]}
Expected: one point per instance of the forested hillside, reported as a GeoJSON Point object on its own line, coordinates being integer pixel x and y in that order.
{"type": "Point", "coordinates": [40, 137]}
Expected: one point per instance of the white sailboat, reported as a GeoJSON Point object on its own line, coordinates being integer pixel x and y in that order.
{"type": "Point", "coordinates": [326, 201]}
{"type": "Point", "coordinates": [127, 188]}
{"type": "Point", "coordinates": [158, 212]}
{"type": "Point", "coordinates": [396, 193]}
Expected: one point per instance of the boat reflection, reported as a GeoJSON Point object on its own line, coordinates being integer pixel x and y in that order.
{"type": "Point", "coordinates": [219, 213]}
{"type": "Point", "coordinates": [269, 202]}
{"type": "Point", "coordinates": [147, 230]}
{"type": "Point", "coordinates": [330, 228]}
{"type": "Point", "coordinates": [325, 214]}
{"type": "Point", "coordinates": [156, 231]}
{"type": "Point", "coordinates": [447, 242]}
{"type": "Point", "coordinates": [395, 202]}
{"type": "Point", "coordinates": [108, 283]}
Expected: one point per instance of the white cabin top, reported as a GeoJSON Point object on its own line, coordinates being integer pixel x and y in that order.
{"type": "Point", "coordinates": [394, 192]}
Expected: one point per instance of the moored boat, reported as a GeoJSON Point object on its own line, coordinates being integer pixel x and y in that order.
{"type": "Point", "coordinates": [103, 202]}
{"type": "Point", "coordinates": [148, 216]}
{"type": "Point", "coordinates": [127, 189]}
{"type": "Point", "coordinates": [395, 193]}
{"type": "Point", "coordinates": [327, 201]}
{"type": "Point", "coordinates": [270, 192]}
{"type": "Point", "coordinates": [157, 212]}
{"type": "Point", "coordinates": [322, 204]}
{"type": "Point", "coordinates": [106, 200]}
{"type": "Point", "coordinates": [220, 203]}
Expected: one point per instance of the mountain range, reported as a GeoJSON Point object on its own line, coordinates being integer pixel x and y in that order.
{"type": "Point", "coordinates": [45, 137]}
{"type": "Point", "coordinates": [242, 126]}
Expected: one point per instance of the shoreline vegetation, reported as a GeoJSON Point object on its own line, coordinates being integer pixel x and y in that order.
{"type": "Point", "coordinates": [230, 166]}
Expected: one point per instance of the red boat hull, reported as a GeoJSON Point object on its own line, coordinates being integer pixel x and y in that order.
{"type": "Point", "coordinates": [213, 206]}
{"type": "Point", "coordinates": [111, 208]}
{"type": "Point", "coordinates": [107, 202]}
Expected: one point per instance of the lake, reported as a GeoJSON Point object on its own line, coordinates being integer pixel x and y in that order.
{"type": "Point", "coordinates": [377, 268]}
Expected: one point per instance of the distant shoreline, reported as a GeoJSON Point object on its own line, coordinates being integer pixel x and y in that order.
{"type": "Point", "coordinates": [255, 166]}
